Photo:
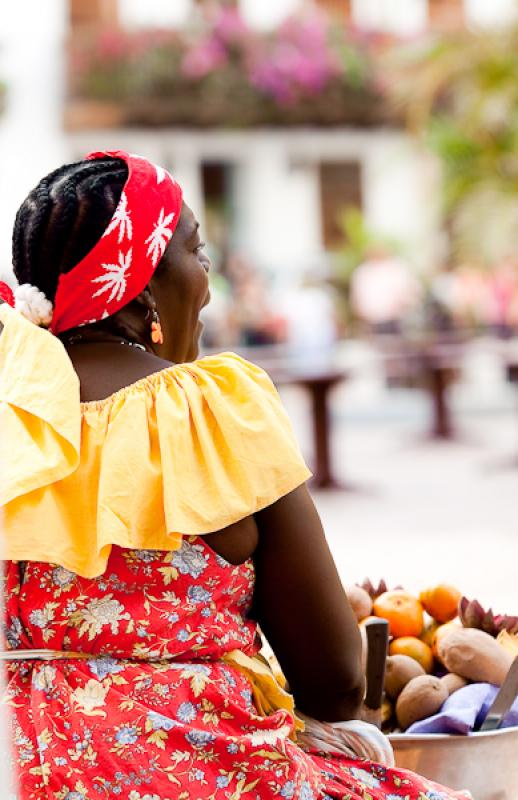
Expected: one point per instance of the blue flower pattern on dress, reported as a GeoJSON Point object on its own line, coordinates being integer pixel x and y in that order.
{"type": "Point", "coordinates": [154, 713]}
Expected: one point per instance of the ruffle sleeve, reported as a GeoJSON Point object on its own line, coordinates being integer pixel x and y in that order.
{"type": "Point", "coordinates": [226, 440]}
{"type": "Point", "coordinates": [40, 420]}
{"type": "Point", "coordinates": [188, 450]}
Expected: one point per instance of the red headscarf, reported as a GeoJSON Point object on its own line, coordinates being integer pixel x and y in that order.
{"type": "Point", "coordinates": [124, 259]}
{"type": "Point", "coordinates": [6, 293]}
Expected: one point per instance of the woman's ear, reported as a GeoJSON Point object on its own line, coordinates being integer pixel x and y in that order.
{"type": "Point", "coordinates": [145, 299]}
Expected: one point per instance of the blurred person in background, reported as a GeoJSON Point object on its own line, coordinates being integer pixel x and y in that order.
{"type": "Point", "coordinates": [383, 291]}
{"type": "Point", "coordinates": [503, 287]}
{"type": "Point", "coordinates": [464, 293]}
{"type": "Point", "coordinates": [310, 315]}
{"type": "Point", "coordinates": [216, 331]}
{"type": "Point", "coordinates": [251, 316]}
{"type": "Point", "coordinates": [154, 513]}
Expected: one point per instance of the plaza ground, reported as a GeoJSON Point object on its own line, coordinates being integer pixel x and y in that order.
{"type": "Point", "coordinates": [424, 512]}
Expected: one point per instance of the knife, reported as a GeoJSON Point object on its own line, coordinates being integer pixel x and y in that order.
{"type": "Point", "coordinates": [503, 701]}
{"type": "Point", "coordinates": [377, 645]}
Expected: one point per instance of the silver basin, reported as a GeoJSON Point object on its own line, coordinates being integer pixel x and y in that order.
{"type": "Point", "coordinates": [484, 763]}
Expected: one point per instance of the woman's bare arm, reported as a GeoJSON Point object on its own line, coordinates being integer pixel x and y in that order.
{"type": "Point", "coordinates": [302, 608]}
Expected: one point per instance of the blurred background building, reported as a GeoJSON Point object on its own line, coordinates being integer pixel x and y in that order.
{"type": "Point", "coordinates": [269, 187]}
{"type": "Point", "coordinates": [362, 245]}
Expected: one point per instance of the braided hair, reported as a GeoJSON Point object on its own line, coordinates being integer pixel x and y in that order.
{"type": "Point", "coordinates": [63, 218]}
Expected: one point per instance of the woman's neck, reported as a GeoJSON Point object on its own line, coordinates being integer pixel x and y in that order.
{"type": "Point", "coordinates": [104, 367]}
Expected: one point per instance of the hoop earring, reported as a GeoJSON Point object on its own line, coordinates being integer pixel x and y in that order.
{"type": "Point", "coordinates": [157, 335]}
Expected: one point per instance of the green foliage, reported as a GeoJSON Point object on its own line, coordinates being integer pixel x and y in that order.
{"type": "Point", "coordinates": [461, 94]}
{"type": "Point", "coordinates": [354, 62]}
{"type": "Point", "coordinates": [359, 241]}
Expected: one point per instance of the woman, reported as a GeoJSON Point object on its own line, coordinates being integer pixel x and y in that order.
{"type": "Point", "coordinates": [155, 511]}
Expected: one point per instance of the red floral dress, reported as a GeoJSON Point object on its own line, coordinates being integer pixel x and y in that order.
{"type": "Point", "coordinates": [156, 714]}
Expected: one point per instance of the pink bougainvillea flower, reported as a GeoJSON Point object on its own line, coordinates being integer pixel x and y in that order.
{"type": "Point", "coordinates": [300, 60]}
{"type": "Point", "coordinates": [204, 57]}
{"type": "Point", "coordinates": [229, 26]}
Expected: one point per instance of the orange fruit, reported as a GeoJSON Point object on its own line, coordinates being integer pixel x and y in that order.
{"type": "Point", "coordinates": [438, 633]}
{"type": "Point", "coordinates": [429, 632]}
{"type": "Point", "coordinates": [415, 648]}
{"type": "Point", "coordinates": [441, 602]}
{"type": "Point", "coordinates": [403, 611]}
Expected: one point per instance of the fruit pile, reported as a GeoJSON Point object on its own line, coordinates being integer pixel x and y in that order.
{"type": "Point", "coordinates": [439, 642]}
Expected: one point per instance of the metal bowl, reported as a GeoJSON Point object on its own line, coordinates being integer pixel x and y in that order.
{"type": "Point", "coordinates": [485, 763]}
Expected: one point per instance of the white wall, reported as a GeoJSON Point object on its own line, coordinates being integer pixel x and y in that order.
{"type": "Point", "coordinates": [265, 14]}
{"type": "Point", "coordinates": [400, 17]}
{"type": "Point", "coordinates": [402, 196]}
{"type": "Point", "coordinates": [262, 14]}
{"type": "Point", "coordinates": [490, 13]}
{"type": "Point", "coordinates": [403, 17]}
{"type": "Point", "coordinates": [31, 138]}
{"type": "Point", "coordinates": [154, 13]}
{"type": "Point", "coordinates": [278, 218]}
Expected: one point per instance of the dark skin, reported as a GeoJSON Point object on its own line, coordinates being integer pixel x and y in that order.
{"type": "Point", "coordinates": [299, 600]}
{"type": "Point", "coordinates": [179, 289]}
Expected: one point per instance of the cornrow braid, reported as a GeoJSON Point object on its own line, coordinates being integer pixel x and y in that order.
{"type": "Point", "coordinates": [63, 218]}
{"type": "Point", "coordinates": [36, 206]}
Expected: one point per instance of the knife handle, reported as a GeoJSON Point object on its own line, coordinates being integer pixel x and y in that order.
{"type": "Point", "coordinates": [377, 646]}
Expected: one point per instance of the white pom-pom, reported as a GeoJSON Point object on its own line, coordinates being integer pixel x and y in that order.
{"type": "Point", "coordinates": [33, 305]}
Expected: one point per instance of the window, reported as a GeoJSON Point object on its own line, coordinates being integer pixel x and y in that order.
{"type": "Point", "coordinates": [340, 187]}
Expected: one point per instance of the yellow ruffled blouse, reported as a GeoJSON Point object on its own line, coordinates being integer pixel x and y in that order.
{"type": "Point", "coordinates": [188, 450]}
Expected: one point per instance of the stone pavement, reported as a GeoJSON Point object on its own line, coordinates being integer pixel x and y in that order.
{"type": "Point", "coordinates": [425, 512]}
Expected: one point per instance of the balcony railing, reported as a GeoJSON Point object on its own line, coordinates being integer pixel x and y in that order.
{"type": "Point", "coordinates": [225, 75]}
